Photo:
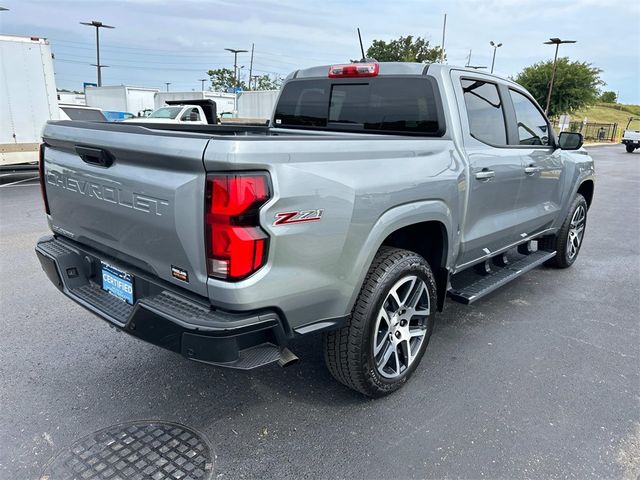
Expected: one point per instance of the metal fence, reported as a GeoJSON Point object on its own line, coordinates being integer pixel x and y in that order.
{"type": "Point", "coordinates": [600, 132]}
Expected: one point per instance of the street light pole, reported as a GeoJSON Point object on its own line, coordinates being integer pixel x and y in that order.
{"type": "Point", "coordinates": [167, 84]}
{"type": "Point", "coordinates": [495, 47]}
{"type": "Point", "coordinates": [98, 25]}
{"type": "Point", "coordinates": [202, 80]}
{"type": "Point", "coordinates": [235, 63]}
{"type": "Point", "coordinates": [556, 42]}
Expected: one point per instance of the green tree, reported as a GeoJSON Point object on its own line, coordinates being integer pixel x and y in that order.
{"type": "Point", "coordinates": [576, 84]}
{"type": "Point", "coordinates": [404, 49]}
{"type": "Point", "coordinates": [609, 97]}
{"type": "Point", "coordinates": [266, 82]}
{"type": "Point", "coordinates": [222, 79]}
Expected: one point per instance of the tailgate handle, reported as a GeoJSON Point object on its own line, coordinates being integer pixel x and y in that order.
{"type": "Point", "coordinates": [95, 156]}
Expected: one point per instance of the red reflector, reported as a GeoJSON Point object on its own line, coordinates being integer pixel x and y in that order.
{"type": "Point", "coordinates": [43, 180]}
{"type": "Point", "coordinates": [236, 246]}
{"type": "Point", "coordinates": [354, 70]}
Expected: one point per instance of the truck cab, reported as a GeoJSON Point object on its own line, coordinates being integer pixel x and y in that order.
{"type": "Point", "coordinates": [189, 114]}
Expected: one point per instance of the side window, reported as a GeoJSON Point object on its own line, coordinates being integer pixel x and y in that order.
{"type": "Point", "coordinates": [485, 111]}
{"type": "Point", "coordinates": [191, 115]}
{"type": "Point", "coordinates": [532, 126]}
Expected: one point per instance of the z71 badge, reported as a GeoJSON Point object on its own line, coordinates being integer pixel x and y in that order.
{"type": "Point", "coordinates": [286, 218]}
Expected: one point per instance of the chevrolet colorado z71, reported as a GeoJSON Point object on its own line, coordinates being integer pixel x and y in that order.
{"type": "Point", "coordinates": [367, 200]}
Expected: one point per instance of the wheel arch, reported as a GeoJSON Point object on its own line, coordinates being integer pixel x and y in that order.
{"type": "Point", "coordinates": [393, 228]}
{"type": "Point", "coordinates": [430, 240]}
{"type": "Point", "coordinates": [586, 190]}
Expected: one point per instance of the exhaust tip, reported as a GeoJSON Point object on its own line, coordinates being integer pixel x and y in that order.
{"type": "Point", "coordinates": [287, 358]}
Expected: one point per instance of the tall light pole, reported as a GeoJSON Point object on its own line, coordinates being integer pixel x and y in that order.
{"type": "Point", "coordinates": [255, 81]}
{"type": "Point", "coordinates": [98, 26]}
{"type": "Point", "coordinates": [495, 47]}
{"type": "Point", "coordinates": [556, 42]}
{"type": "Point", "coordinates": [235, 62]}
{"type": "Point", "coordinates": [202, 80]}
{"type": "Point", "coordinates": [167, 84]}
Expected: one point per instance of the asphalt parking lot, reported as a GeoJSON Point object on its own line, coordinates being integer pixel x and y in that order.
{"type": "Point", "coordinates": [541, 379]}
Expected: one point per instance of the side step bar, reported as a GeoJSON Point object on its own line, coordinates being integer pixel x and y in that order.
{"type": "Point", "coordinates": [483, 286]}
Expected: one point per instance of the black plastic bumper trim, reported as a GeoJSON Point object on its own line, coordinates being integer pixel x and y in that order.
{"type": "Point", "coordinates": [164, 317]}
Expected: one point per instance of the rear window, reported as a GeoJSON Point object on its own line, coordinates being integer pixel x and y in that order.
{"type": "Point", "coordinates": [383, 105]}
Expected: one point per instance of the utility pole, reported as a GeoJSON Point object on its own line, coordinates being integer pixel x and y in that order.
{"type": "Point", "coordinates": [556, 42]}
{"type": "Point", "coordinates": [167, 84]}
{"type": "Point", "coordinates": [444, 29]}
{"type": "Point", "coordinates": [251, 66]}
{"type": "Point", "coordinates": [202, 80]}
{"type": "Point", "coordinates": [98, 25]}
{"type": "Point", "coordinates": [255, 81]}
{"type": "Point", "coordinates": [235, 63]}
{"type": "Point", "coordinates": [468, 59]}
{"type": "Point", "coordinates": [495, 47]}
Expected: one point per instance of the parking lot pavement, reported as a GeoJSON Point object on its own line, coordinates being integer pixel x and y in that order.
{"type": "Point", "coordinates": [541, 379]}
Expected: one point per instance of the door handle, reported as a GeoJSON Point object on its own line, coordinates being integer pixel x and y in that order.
{"type": "Point", "coordinates": [485, 174]}
{"type": "Point", "coordinates": [531, 169]}
{"type": "Point", "coordinates": [95, 156]}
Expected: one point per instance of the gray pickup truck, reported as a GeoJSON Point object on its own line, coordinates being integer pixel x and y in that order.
{"type": "Point", "coordinates": [377, 190]}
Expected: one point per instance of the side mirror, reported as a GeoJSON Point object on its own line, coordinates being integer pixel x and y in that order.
{"type": "Point", "coordinates": [570, 140]}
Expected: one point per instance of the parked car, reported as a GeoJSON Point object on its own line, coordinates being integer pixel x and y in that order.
{"type": "Point", "coordinates": [631, 136]}
{"type": "Point", "coordinates": [378, 189]}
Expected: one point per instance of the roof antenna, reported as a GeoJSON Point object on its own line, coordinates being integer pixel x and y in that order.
{"type": "Point", "coordinates": [361, 47]}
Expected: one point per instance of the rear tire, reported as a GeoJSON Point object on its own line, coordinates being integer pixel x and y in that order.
{"type": "Point", "coordinates": [568, 241]}
{"type": "Point", "coordinates": [389, 328]}
{"type": "Point", "coordinates": [630, 148]}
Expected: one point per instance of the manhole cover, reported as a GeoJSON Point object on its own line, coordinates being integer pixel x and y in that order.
{"type": "Point", "coordinates": [135, 451]}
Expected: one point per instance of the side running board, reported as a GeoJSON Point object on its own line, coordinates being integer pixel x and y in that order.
{"type": "Point", "coordinates": [479, 287]}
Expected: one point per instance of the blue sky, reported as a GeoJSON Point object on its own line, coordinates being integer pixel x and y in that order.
{"type": "Point", "coordinates": [157, 41]}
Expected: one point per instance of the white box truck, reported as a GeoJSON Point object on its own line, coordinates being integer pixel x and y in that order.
{"type": "Point", "coordinates": [27, 97]}
{"type": "Point", "coordinates": [257, 104]}
{"type": "Point", "coordinates": [121, 98]}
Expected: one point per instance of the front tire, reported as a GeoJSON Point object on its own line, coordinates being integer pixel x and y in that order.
{"type": "Point", "coordinates": [568, 241]}
{"type": "Point", "coordinates": [630, 148]}
{"type": "Point", "coordinates": [389, 328]}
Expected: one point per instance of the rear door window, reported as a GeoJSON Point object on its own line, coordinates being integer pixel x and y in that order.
{"type": "Point", "coordinates": [384, 105]}
{"type": "Point", "coordinates": [484, 111]}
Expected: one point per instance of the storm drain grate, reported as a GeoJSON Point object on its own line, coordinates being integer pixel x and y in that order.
{"type": "Point", "coordinates": [135, 451]}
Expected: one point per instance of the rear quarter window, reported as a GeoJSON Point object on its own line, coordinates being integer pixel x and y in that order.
{"type": "Point", "coordinates": [384, 105]}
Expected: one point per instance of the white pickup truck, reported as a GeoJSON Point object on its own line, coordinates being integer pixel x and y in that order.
{"type": "Point", "coordinates": [190, 114]}
{"type": "Point", "coordinates": [631, 137]}
{"type": "Point", "coordinates": [195, 112]}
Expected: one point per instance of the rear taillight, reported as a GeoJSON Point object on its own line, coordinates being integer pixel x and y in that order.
{"type": "Point", "coordinates": [43, 180]}
{"type": "Point", "coordinates": [236, 245]}
{"type": "Point", "coordinates": [354, 70]}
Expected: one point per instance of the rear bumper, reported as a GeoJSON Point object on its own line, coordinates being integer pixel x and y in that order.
{"type": "Point", "coordinates": [163, 314]}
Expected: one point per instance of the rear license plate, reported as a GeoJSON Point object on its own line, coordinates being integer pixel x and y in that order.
{"type": "Point", "coordinates": [117, 283]}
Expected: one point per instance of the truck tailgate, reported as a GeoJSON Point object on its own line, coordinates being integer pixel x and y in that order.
{"type": "Point", "coordinates": [135, 194]}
